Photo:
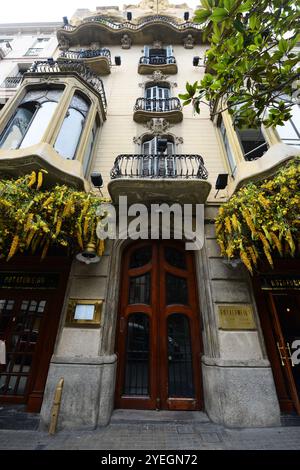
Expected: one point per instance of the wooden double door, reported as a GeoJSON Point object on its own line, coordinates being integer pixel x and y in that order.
{"type": "Point", "coordinates": [280, 319]}
{"type": "Point", "coordinates": [30, 306]}
{"type": "Point", "coordinates": [158, 333]}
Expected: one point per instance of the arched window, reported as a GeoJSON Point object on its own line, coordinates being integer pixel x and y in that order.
{"type": "Point", "coordinates": [31, 119]}
{"type": "Point", "coordinates": [158, 157]}
{"type": "Point", "coordinates": [69, 135]}
{"type": "Point", "coordinates": [151, 146]}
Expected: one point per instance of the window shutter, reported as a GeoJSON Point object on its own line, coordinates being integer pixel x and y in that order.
{"type": "Point", "coordinates": [146, 51]}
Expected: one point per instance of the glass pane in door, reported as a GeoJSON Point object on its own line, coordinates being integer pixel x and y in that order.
{"type": "Point", "coordinates": [180, 366]}
{"type": "Point", "coordinates": [21, 343]}
{"type": "Point", "coordinates": [137, 356]}
{"type": "Point", "coordinates": [288, 309]}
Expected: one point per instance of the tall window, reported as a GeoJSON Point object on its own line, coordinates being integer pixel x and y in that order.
{"type": "Point", "coordinates": [157, 97]}
{"type": "Point", "coordinates": [69, 135]}
{"type": "Point", "coordinates": [158, 157]}
{"type": "Point", "coordinates": [30, 120]}
{"type": "Point", "coordinates": [158, 56]}
{"type": "Point", "coordinates": [38, 45]}
{"type": "Point", "coordinates": [289, 133]}
{"type": "Point", "coordinates": [150, 146]}
{"type": "Point", "coordinates": [90, 147]}
{"type": "Point", "coordinates": [252, 142]}
{"type": "Point", "coordinates": [229, 153]}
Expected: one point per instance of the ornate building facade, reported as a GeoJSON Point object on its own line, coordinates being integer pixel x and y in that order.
{"type": "Point", "coordinates": [150, 326]}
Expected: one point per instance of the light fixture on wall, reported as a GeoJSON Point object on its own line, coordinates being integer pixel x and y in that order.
{"type": "Point", "coordinates": [97, 181]}
{"type": "Point", "coordinates": [196, 61]}
{"type": "Point", "coordinates": [117, 60]}
{"type": "Point", "coordinates": [65, 20]}
{"type": "Point", "coordinates": [50, 61]}
{"type": "Point", "coordinates": [221, 183]}
{"type": "Point", "coordinates": [129, 16]}
{"type": "Point", "coordinates": [88, 255]}
{"type": "Point", "coordinates": [186, 16]}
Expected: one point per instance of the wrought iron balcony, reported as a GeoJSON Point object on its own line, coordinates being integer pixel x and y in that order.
{"type": "Point", "coordinates": [169, 108]}
{"type": "Point", "coordinates": [132, 26]}
{"type": "Point", "coordinates": [99, 60]}
{"type": "Point", "coordinates": [11, 82]}
{"type": "Point", "coordinates": [85, 54]}
{"type": "Point", "coordinates": [158, 178]}
{"type": "Point", "coordinates": [72, 67]}
{"type": "Point", "coordinates": [157, 60]}
{"type": "Point", "coordinates": [159, 166]}
{"type": "Point", "coordinates": [165, 64]}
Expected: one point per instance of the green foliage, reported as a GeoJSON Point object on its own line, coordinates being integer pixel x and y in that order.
{"type": "Point", "coordinates": [251, 61]}
{"type": "Point", "coordinates": [33, 219]}
{"type": "Point", "coordinates": [262, 220]}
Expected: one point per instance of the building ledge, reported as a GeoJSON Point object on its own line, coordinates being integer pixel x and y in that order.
{"type": "Point", "coordinates": [264, 166]}
{"type": "Point", "coordinates": [171, 190]}
{"type": "Point", "coordinates": [43, 156]}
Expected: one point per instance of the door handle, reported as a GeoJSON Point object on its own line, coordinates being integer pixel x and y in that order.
{"type": "Point", "coordinates": [282, 358]}
{"type": "Point", "coordinates": [122, 324]}
{"type": "Point", "coordinates": [290, 354]}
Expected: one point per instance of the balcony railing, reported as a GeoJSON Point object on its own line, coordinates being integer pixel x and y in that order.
{"type": "Point", "coordinates": [50, 67]}
{"type": "Point", "coordinates": [11, 82]}
{"type": "Point", "coordinates": [157, 104]}
{"type": "Point", "coordinates": [140, 25]}
{"type": "Point", "coordinates": [157, 60]}
{"type": "Point", "coordinates": [86, 54]}
{"type": "Point", "coordinates": [159, 166]}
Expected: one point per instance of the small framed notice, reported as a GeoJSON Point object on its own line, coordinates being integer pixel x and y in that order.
{"type": "Point", "coordinates": [84, 313]}
{"type": "Point", "coordinates": [236, 317]}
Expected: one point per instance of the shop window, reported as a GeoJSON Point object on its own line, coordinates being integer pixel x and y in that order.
{"type": "Point", "coordinates": [70, 133]}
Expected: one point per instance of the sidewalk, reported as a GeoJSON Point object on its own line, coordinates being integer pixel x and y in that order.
{"type": "Point", "coordinates": [132, 431]}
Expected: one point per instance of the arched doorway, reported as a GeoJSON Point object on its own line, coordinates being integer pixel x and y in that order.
{"type": "Point", "coordinates": [158, 333]}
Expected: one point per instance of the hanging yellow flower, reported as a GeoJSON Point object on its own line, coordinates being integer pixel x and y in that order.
{"type": "Point", "coordinates": [263, 219]}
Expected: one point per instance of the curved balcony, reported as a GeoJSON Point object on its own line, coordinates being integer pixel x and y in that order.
{"type": "Point", "coordinates": [78, 69]}
{"type": "Point", "coordinates": [167, 108]}
{"type": "Point", "coordinates": [98, 60]}
{"type": "Point", "coordinates": [167, 65]}
{"type": "Point", "coordinates": [152, 178]}
{"type": "Point", "coordinates": [149, 29]}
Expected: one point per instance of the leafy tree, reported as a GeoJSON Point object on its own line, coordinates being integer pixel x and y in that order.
{"type": "Point", "coordinates": [252, 65]}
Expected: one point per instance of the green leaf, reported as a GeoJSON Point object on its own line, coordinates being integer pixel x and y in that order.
{"type": "Point", "coordinates": [229, 4]}
{"type": "Point", "coordinates": [245, 6]}
{"type": "Point", "coordinates": [283, 45]}
{"type": "Point", "coordinates": [185, 103]}
{"type": "Point", "coordinates": [201, 16]}
{"type": "Point", "coordinates": [239, 26]}
{"type": "Point", "coordinates": [219, 14]}
{"type": "Point", "coordinates": [184, 96]}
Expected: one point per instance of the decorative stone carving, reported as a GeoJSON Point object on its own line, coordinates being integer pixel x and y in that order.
{"type": "Point", "coordinates": [157, 44]}
{"type": "Point", "coordinates": [188, 42]}
{"type": "Point", "coordinates": [157, 126]}
{"type": "Point", "coordinates": [157, 76]}
{"type": "Point", "coordinates": [64, 44]}
{"type": "Point", "coordinates": [95, 46]}
{"type": "Point", "coordinates": [126, 41]}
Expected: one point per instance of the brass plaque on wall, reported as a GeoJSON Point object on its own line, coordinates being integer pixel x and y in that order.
{"type": "Point", "coordinates": [236, 317]}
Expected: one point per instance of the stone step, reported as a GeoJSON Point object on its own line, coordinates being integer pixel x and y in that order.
{"type": "Point", "coordinates": [15, 417]}
{"type": "Point", "coordinates": [163, 416]}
